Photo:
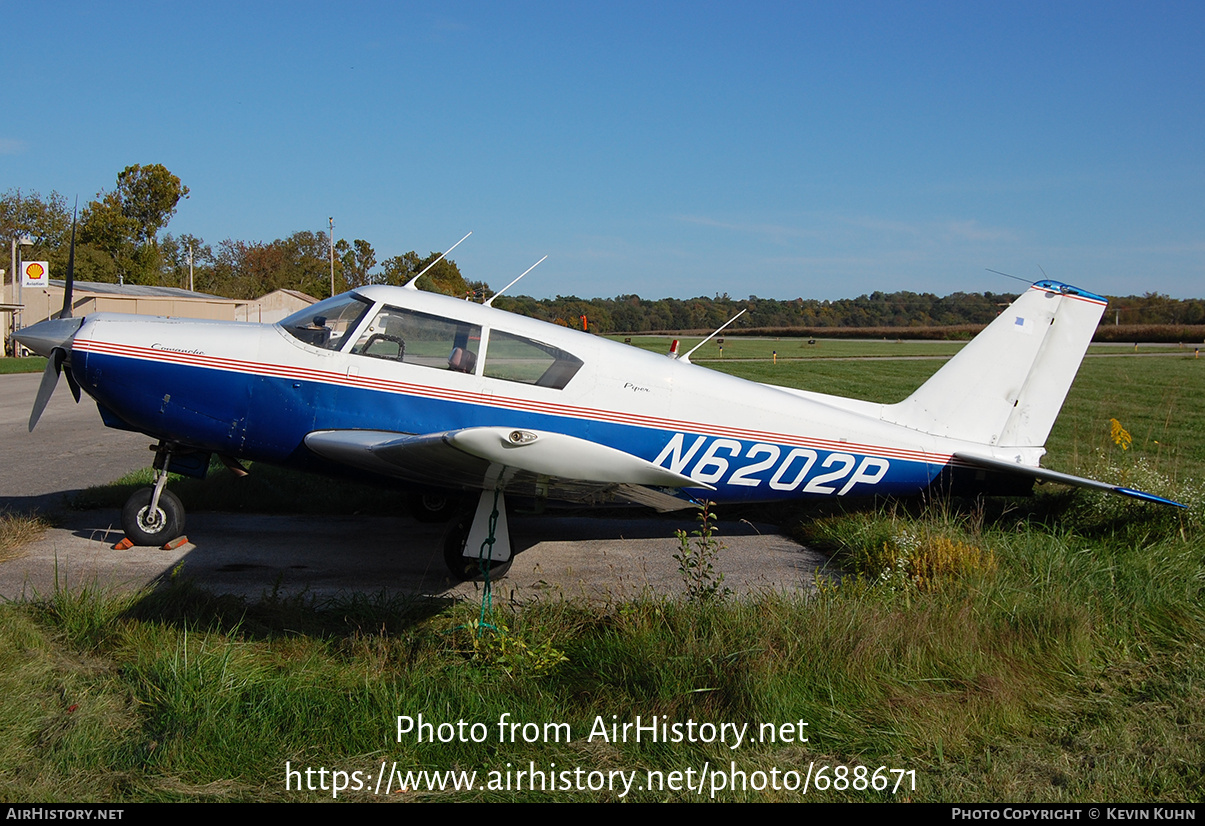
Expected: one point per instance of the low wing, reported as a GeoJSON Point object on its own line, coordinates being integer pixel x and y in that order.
{"type": "Point", "coordinates": [1045, 475]}
{"type": "Point", "coordinates": [520, 461]}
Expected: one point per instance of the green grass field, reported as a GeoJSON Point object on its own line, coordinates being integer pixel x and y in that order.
{"type": "Point", "coordinates": [793, 348]}
{"type": "Point", "coordinates": [32, 364]}
{"type": "Point", "coordinates": [1046, 649]}
{"type": "Point", "coordinates": [789, 348]}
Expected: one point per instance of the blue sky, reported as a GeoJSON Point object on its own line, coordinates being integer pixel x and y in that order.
{"type": "Point", "coordinates": [820, 150]}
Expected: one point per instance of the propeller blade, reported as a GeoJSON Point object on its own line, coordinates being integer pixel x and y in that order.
{"type": "Point", "coordinates": [50, 378]}
{"type": "Point", "coordinates": [71, 382]}
{"type": "Point", "coordinates": [70, 283]}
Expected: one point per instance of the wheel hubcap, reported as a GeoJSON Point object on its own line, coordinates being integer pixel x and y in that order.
{"type": "Point", "coordinates": [151, 522]}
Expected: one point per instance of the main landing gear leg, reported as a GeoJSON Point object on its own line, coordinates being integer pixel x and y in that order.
{"type": "Point", "coordinates": [467, 545]}
{"type": "Point", "coordinates": [154, 516]}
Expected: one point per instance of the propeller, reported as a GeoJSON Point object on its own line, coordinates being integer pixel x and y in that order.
{"type": "Point", "coordinates": [69, 286]}
{"type": "Point", "coordinates": [51, 338]}
{"type": "Point", "coordinates": [50, 379]}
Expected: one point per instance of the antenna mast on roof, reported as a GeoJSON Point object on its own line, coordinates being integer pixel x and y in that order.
{"type": "Point", "coordinates": [410, 284]}
{"type": "Point", "coordinates": [490, 301]}
{"type": "Point", "coordinates": [686, 358]}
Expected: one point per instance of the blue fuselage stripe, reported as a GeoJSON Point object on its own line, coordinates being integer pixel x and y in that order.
{"type": "Point", "coordinates": [266, 418]}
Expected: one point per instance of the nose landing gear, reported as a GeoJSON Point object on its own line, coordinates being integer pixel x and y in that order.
{"type": "Point", "coordinates": [154, 515]}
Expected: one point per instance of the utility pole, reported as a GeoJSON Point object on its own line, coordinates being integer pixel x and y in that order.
{"type": "Point", "coordinates": [332, 220]}
{"type": "Point", "coordinates": [190, 268]}
{"type": "Point", "coordinates": [21, 240]}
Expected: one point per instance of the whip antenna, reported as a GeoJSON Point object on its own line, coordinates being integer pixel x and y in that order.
{"type": "Point", "coordinates": [686, 358]}
{"type": "Point", "coordinates": [490, 302]}
{"type": "Point", "coordinates": [410, 284]}
{"type": "Point", "coordinates": [1014, 277]}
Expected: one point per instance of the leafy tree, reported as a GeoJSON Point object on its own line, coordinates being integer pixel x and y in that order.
{"type": "Point", "coordinates": [148, 196]}
{"type": "Point", "coordinates": [357, 261]}
{"type": "Point", "coordinates": [104, 228]}
{"type": "Point", "coordinates": [444, 277]}
{"type": "Point", "coordinates": [299, 262]}
{"type": "Point", "coordinates": [46, 220]}
{"type": "Point", "coordinates": [173, 254]}
{"type": "Point", "coordinates": [124, 224]}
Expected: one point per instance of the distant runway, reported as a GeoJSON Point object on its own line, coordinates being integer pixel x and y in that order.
{"type": "Point", "coordinates": [595, 558]}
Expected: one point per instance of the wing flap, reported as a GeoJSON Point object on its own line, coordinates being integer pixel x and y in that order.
{"type": "Point", "coordinates": [422, 459]}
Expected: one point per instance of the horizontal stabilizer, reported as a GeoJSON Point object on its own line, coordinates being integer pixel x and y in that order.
{"type": "Point", "coordinates": [1062, 478]}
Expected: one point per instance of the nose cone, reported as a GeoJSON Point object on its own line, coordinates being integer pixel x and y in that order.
{"type": "Point", "coordinates": [44, 336]}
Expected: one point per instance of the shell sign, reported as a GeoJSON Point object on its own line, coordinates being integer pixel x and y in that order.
{"type": "Point", "coordinates": [35, 274]}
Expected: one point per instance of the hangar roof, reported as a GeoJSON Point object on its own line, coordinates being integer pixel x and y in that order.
{"type": "Point", "coordinates": [136, 290]}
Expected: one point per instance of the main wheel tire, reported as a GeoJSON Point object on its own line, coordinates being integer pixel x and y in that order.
{"type": "Point", "coordinates": [435, 506]}
{"type": "Point", "coordinates": [146, 528]}
{"type": "Point", "coordinates": [464, 568]}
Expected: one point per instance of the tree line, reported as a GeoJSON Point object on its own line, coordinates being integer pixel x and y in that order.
{"type": "Point", "coordinates": [122, 237]}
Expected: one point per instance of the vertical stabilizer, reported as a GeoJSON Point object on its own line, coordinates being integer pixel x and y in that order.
{"type": "Point", "coordinates": [1007, 386]}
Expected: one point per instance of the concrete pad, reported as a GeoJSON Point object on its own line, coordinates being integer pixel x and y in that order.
{"type": "Point", "coordinates": [559, 557]}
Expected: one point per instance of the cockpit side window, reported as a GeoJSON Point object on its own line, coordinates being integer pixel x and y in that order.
{"type": "Point", "coordinates": [402, 335]}
{"type": "Point", "coordinates": [514, 358]}
{"type": "Point", "coordinates": [327, 323]}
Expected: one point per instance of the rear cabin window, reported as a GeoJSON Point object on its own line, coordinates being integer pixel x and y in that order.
{"type": "Point", "coordinates": [514, 358]}
{"type": "Point", "coordinates": [417, 338]}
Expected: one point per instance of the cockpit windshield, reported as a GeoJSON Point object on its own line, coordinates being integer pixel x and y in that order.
{"type": "Point", "coordinates": [327, 323]}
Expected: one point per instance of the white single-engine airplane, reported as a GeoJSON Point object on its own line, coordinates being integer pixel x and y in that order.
{"type": "Point", "coordinates": [449, 396]}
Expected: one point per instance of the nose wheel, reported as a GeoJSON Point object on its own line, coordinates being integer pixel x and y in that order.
{"type": "Point", "coordinates": [152, 524]}
{"type": "Point", "coordinates": [154, 515]}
